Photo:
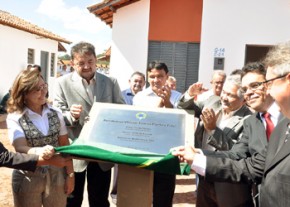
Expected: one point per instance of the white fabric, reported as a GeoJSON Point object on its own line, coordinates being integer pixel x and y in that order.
{"type": "Point", "coordinates": [40, 121]}
{"type": "Point", "coordinates": [205, 95]}
{"type": "Point", "coordinates": [199, 164]}
{"type": "Point", "coordinates": [148, 98]}
{"type": "Point", "coordinates": [187, 97]}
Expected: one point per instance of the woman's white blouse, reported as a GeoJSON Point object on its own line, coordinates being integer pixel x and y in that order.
{"type": "Point", "coordinates": [15, 131]}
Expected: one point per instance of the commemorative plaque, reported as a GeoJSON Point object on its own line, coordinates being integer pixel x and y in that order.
{"type": "Point", "coordinates": [144, 134]}
{"type": "Point", "coordinates": [137, 130]}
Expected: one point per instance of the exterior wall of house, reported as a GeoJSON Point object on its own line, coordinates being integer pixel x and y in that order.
{"type": "Point", "coordinates": [175, 21]}
{"type": "Point", "coordinates": [227, 26]}
{"type": "Point", "coordinates": [13, 53]}
{"type": "Point", "coordinates": [129, 41]}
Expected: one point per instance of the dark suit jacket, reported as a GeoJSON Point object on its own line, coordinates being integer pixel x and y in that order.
{"type": "Point", "coordinates": [275, 188]}
{"type": "Point", "coordinates": [69, 90]}
{"type": "Point", "coordinates": [271, 166]}
{"type": "Point", "coordinates": [253, 140]}
{"type": "Point", "coordinates": [17, 160]}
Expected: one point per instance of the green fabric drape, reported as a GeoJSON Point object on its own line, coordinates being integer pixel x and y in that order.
{"type": "Point", "coordinates": [159, 163]}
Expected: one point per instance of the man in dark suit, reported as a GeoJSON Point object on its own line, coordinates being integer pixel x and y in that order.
{"type": "Point", "coordinates": [271, 165]}
{"type": "Point", "coordinates": [254, 137]}
{"type": "Point", "coordinates": [221, 119]}
{"type": "Point", "coordinates": [75, 94]}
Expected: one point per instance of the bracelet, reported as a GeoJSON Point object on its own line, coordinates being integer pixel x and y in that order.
{"type": "Point", "coordinates": [70, 175]}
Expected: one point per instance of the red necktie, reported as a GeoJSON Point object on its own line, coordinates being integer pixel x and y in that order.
{"type": "Point", "coordinates": [269, 124]}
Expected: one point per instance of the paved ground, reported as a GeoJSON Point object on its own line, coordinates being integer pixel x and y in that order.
{"type": "Point", "coordinates": [183, 197]}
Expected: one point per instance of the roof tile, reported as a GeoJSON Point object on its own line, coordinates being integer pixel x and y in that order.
{"type": "Point", "coordinates": [18, 23]}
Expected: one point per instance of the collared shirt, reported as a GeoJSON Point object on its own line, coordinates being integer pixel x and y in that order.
{"type": "Point", "coordinates": [15, 131]}
{"type": "Point", "coordinates": [128, 96]}
{"type": "Point", "coordinates": [89, 87]}
{"type": "Point", "coordinates": [205, 95]}
{"type": "Point", "coordinates": [199, 162]}
{"type": "Point", "coordinates": [148, 98]}
{"type": "Point", "coordinates": [274, 111]}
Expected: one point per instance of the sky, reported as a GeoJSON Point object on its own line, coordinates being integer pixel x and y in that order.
{"type": "Point", "coordinates": [69, 19]}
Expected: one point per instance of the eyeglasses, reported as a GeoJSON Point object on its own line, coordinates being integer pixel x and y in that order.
{"type": "Point", "coordinates": [255, 85]}
{"type": "Point", "coordinates": [252, 86]}
{"type": "Point", "coordinates": [270, 81]}
{"type": "Point", "coordinates": [41, 88]}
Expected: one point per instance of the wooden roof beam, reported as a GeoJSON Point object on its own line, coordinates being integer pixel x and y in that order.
{"type": "Point", "coordinates": [112, 9]}
{"type": "Point", "coordinates": [101, 13]}
{"type": "Point", "coordinates": [102, 5]}
{"type": "Point", "coordinates": [106, 18]}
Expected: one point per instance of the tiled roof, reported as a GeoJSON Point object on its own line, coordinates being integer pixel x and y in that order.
{"type": "Point", "coordinates": [106, 9]}
{"type": "Point", "coordinates": [18, 23]}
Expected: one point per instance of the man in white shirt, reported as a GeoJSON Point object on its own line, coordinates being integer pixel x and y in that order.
{"type": "Point", "coordinates": [159, 95]}
{"type": "Point", "coordinates": [217, 82]}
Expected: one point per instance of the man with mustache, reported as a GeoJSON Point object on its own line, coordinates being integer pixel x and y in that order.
{"type": "Point", "coordinates": [220, 124]}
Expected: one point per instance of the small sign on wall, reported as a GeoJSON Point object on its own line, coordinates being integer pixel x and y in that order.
{"type": "Point", "coordinates": [219, 58]}
{"type": "Point", "coordinates": [219, 52]}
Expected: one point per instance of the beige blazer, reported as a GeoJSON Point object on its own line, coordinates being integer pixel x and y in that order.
{"type": "Point", "coordinates": [69, 90]}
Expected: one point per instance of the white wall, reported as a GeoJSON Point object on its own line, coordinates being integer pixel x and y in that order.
{"type": "Point", "coordinates": [13, 53]}
{"type": "Point", "coordinates": [130, 41]}
{"type": "Point", "coordinates": [231, 24]}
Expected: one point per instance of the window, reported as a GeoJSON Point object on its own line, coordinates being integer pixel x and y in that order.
{"type": "Point", "coordinates": [52, 61]}
{"type": "Point", "coordinates": [30, 56]}
{"type": "Point", "coordinates": [181, 58]}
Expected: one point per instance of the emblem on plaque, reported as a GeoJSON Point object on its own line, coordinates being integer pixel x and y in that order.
{"type": "Point", "coordinates": [141, 115]}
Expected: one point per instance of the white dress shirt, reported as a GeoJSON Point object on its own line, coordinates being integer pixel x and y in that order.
{"type": "Point", "coordinates": [148, 98]}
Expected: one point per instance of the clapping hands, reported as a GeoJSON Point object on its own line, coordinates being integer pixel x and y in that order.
{"type": "Point", "coordinates": [209, 119]}
{"type": "Point", "coordinates": [164, 93]}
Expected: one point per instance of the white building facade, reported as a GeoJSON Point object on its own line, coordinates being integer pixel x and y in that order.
{"type": "Point", "coordinates": [24, 43]}
{"type": "Point", "coordinates": [228, 27]}
{"type": "Point", "coordinates": [232, 34]}
{"type": "Point", "coordinates": [14, 52]}
{"type": "Point", "coordinates": [130, 41]}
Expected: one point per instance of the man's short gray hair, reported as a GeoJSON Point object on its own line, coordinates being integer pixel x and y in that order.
{"type": "Point", "coordinates": [219, 72]}
{"type": "Point", "coordinates": [279, 58]}
{"type": "Point", "coordinates": [236, 80]}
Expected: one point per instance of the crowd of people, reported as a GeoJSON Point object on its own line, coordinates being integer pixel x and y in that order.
{"type": "Point", "coordinates": [260, 156]}
{"type": "Point", "coordinates": [239, 151]}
